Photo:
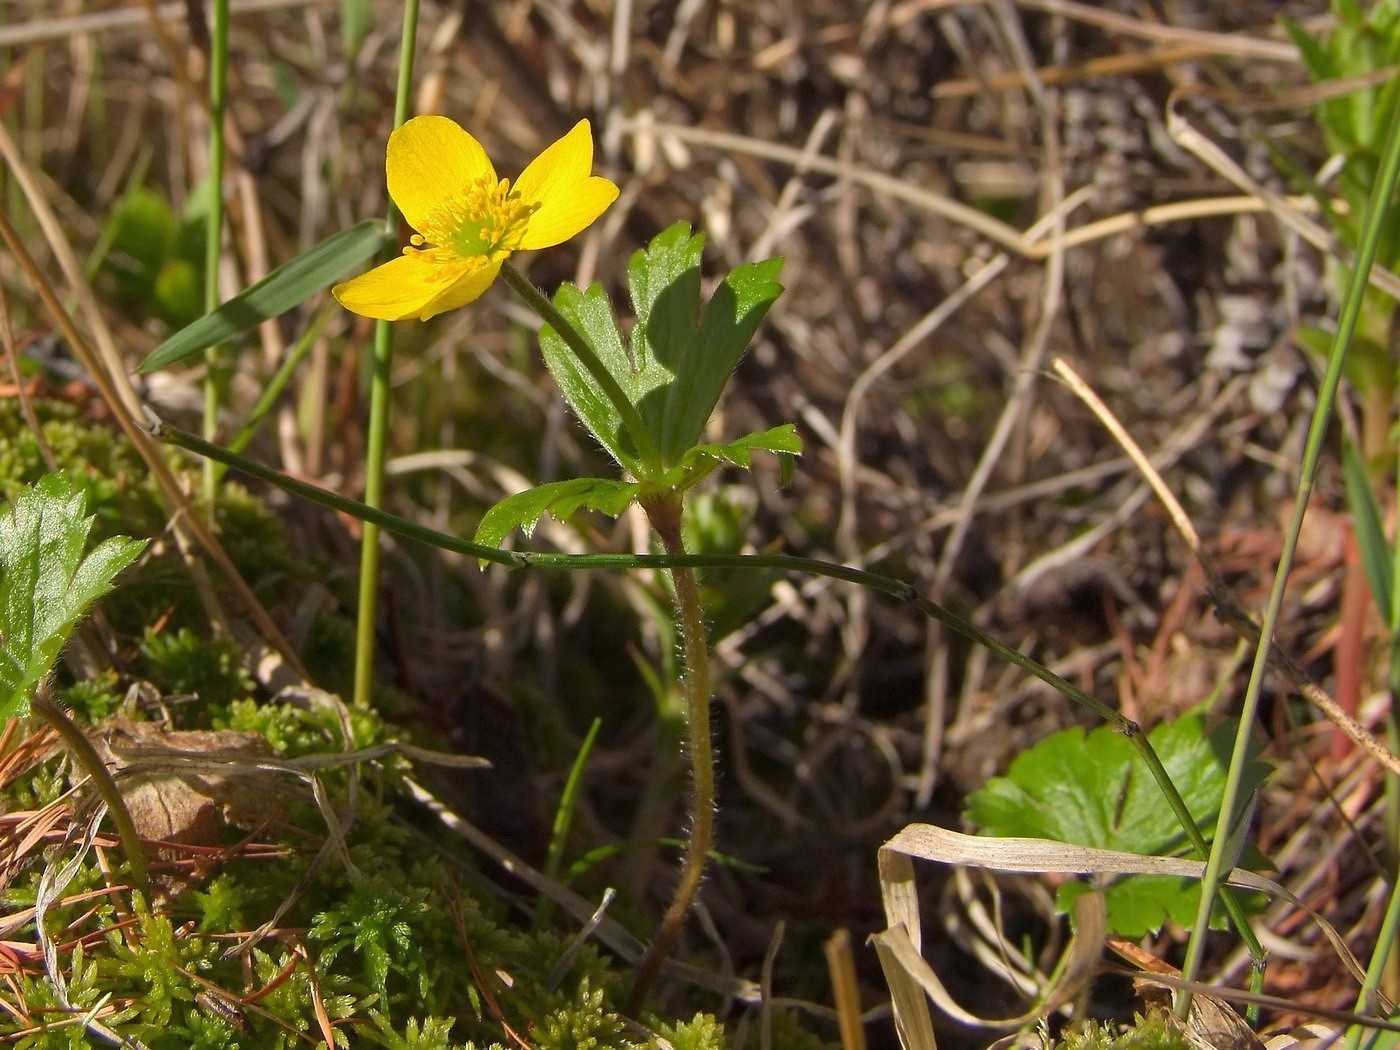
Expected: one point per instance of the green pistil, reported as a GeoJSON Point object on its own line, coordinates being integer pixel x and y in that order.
{"type": "Point", "coordinates": [487, 218]}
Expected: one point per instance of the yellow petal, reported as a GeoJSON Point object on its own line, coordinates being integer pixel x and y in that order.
{"type": "Point", "coordinates": [428, 159]}
{"type": "Point", "coordinates": [467, 288]}
{"type": "Point", "coordinates": [567, 197]}
{"type": "Point", "coordinates": [417, 284]}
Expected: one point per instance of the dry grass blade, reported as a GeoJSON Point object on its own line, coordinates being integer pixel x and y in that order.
{"type": "Point", "coordinates": [1218, 591]}
{"type": "Point", "coordinates": [1285, 211]}
{"type": "Point", "coordinates": [841, 967]}
{"type": "Point", "coordinates": [104, 368]}
{"type": "Point", "coordinates": [1080, 964]}
{"type": "Point", "coordinates": [1041, 856]}
{"type": "Point", "coordinates": [912, 1019]}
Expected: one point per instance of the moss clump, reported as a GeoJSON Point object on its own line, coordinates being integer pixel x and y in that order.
{"type": "Point", "coordinates": [184, 664]}
{"type": "Point", "coordinates": [1154, 1032]}
{"type": "Point", "coordinates": [383, 940]}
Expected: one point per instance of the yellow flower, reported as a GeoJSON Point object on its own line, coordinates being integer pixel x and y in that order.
{"type": "Point", "coordinates": [467, 220]}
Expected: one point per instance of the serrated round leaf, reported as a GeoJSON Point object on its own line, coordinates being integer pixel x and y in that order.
{"type": "Point", "coordinates": [1095, 790]}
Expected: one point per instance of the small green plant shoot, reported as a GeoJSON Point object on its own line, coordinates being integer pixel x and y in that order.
{"type": "Point", "coordinates": [671, 375]}
{"type": "Point", "coordinates": [47, 583]}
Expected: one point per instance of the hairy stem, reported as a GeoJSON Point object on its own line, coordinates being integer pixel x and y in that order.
{"type": "Point", "coordinates": [665, 517]}
{"type": "Point", "coordinates": [889, 586]}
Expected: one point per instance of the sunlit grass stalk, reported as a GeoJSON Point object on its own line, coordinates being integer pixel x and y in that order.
{"type": "Point", "coordinates": [1382, 958]}
{"type": "Point", "coordinates": [790, 563]}
{"type": "Point", "coordinates": [214, 228]}
{"type": "Point", "coordinates": [1217, 866]}
{"type": "Point", "coordinates": [377, 439]}
{"type": "Point", "coordinates": [665, 515]}
{"type": "Point", "coordinates": [1375, 969]}
{"type": "Point", "coordinates": [1384, 961]}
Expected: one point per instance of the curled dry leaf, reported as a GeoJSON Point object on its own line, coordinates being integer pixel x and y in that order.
{"type": "Point", "coordinates": [181, 805]}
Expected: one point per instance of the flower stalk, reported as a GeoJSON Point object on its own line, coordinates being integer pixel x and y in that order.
{"type": "Point", "coordinates": [631, 419]}
{"type": "Point", "coordinates": [214, 232]}
{"type": "Point", "coordinates": [377, 439]}
{"type": "Point", "coordinates": [664, 513]}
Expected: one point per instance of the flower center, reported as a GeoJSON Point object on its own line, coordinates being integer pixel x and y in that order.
{"type": "Point", "coordinates": [484, 219]}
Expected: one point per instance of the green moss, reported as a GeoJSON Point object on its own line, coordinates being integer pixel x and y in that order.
{"type": "Point", "coordinates": [93, 699]}
{"type": "Point", "coordinates": [183, 664]}
{"type": "Point", "coordinates": [1153, 1032]}
{"type": "Point", "coordinates": [393, 949]}
{"type": "Point", "coordinates": [702, 1032]}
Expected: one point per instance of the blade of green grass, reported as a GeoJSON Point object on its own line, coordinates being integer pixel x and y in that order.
{"type": "Point", "coordinates": [1382, 193]}
{"type": "Point", "coordinates": [377, 437]}
{"type": "Point", "coordinates": [285, 287]}
{"type": "Point", "coordinates": [564, 817]}
{"type": "Point", "coordinates": [1377, 557]}
{"type": "Point", "coordinates": [214, 230]}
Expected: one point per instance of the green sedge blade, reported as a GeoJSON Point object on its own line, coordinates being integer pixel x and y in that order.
{"type": "Point", "coordinates": [282, 289]}
{"type": "Point", "coordinates": [1377, 556]}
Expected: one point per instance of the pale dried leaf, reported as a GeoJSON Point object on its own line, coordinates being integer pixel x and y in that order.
{"type": "Point", "coordinates": [1079, 966]}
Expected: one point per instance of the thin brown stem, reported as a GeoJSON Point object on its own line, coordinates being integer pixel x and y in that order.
{"type": "Point", "coordinates": [90, 762]}
{"type": "Point", "coordinates": [665, 517]}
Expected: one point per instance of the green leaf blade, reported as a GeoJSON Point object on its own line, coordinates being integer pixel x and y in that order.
{"type": "Point", "coordinates": [701, 460]}
{"type": "Point", "coordinates": [1377, 556]}
{"type": "Point", "coordinates": [562, 499]}
{"type": "Point", "coordinates": [781, 440]}
{"type": "Point", "coordinates": [46, 585]}
{"type": "Point", "coordinates": [285, 287]}
{"type": "Point", "coordinates": [664, 282]}
{"type": "Point", "coordinates": [591, 314]}
{"type": "Point", "coordinates": [732, 316]}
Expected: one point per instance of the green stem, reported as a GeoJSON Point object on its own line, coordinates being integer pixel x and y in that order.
{"type": "Point", "coordinates": [377, 438]}
{"type": "Point", "coordinates": [631, 419]}
{"type": "Point", "coordinates": [90, 762]}
{"type": "Point", "coordinates": [1218, 865]}
{"type": "Point", "coordinates": [214, 229]}
{"type": "Point", "coordinates": [563, 819]}
{"type": "Point", "coordinates": [886, 585]}
{"type": "Point", "coordinates": [1375, 969]}
{"type": "Point", "coordinates": [665, 517]}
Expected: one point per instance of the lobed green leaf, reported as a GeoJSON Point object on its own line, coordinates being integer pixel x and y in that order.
{"type": "Point", "coordinates": [1095, 790]}
{"type": "Point", "coordinates": [591, 314]}
{"type": "Point", "coordinates": [563, 499]}
{"type": "Point", "coordinates": [703, 366]}
{"type": "Point", "coordinates": [677, 362]}
{"type": "Point", "coordinates": [46, 585]}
